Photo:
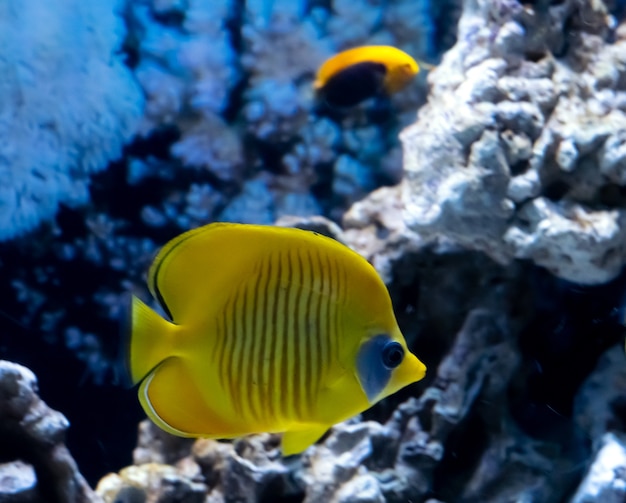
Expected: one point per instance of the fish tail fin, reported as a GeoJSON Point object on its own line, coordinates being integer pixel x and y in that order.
{"type": "Point", "coordinates": [148, 342]}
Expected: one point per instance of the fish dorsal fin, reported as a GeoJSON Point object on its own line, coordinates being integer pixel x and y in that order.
{"type": "Point", "coordinates": [190, 270]}
{"type": "Point", "coordinates": [296, 441]}
{"type": "Point", "coordinates": [195, 271]}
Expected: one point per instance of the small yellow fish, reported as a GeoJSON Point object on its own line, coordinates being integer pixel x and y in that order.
{"type": "Point", "coordinates": [360, 73]}
{"type": "Point", "coordinates": [273, 330]}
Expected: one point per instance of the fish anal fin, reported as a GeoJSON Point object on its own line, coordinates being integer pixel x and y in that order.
{"type": "Point", "coordinates": [172, 400]}
{"type": "Point", "coordinates": [296, 441]}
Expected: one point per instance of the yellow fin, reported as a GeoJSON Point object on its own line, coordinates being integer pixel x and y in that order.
{"type": "Point", "coordinates": [150, 340]}
{"type": "Point", "coordinates": [296, 441]}
{"type": "Point", "coordinates": [171, 398]}
{"type": "Point", "coordinates": [193, 270]}
{"type": "Point", "coordinates": [151, 410]}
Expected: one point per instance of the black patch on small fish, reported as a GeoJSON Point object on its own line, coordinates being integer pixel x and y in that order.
{"type": "Point", "coordinates": [354, 84]}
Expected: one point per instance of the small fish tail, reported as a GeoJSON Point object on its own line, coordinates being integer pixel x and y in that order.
{"type": "Point", "coordinates": [148, 342]}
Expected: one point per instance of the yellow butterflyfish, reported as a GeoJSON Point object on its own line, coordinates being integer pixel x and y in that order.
{"type": "Point", "coordinates": [354, 75]}
{"type": "Point", "coordinates": [272, 330]}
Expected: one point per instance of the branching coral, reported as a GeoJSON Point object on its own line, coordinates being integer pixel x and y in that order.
{"type": "Point", "coordinates": [187, 68]}
{"type": "Point", "coordinates": [67, 105]}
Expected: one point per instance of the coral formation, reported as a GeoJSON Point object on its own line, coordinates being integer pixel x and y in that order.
{"type": "Point", "coordinates": [36, 464]}
{"type": "Point", "coordinates": [518, 151]}
{"type": "Point", "coordinates": [606, 479]}
{"type": "Point", "coordinates": [234, 82]}
{"type": "Point", "coordinates": [600, 407]}
{"type": "Point", "coordinates": [69, 104]}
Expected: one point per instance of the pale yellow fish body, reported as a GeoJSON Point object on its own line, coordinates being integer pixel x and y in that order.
{"type": "Point", "coordinates": [271, 332]}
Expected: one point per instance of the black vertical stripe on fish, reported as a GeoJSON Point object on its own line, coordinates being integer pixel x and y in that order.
{"type": "Point", "coordinates": [299, 357]}
{"type": "Point", "coordinates": [340, 303]}
{"type": "Point", "coordinates": [289, 398]}
{"type": "Point", "coordinates": [323, 333]}
{"type": "Point", "coordinates": [277, 386]}
{"type": "Point", "coordinates": [286, 380]}
{"type": "Point", "coordinates": [226, 348]}
{"type": "Point", "coordinates": [316, 313]}
{"type": "Point", "coordinates": [306, 344]}
{"type": "Point", "coordinates": [332, 343]}
{"type": "Point", "coordinates": [235, 378]}
{"type": "Point", "coordinates": [275, 336]}
{"type": "Point", "coordinates": [251, 337]}
{"type": "Point", "coordinates": [235, 357]}
{"type": "Point", "coordinates": [344, 286]}
{"type": "Point", "coordinates": [245, 369]}
{"type": "Point", "coordinates": [221, 347]}
{"type": "Point", "coordinates": [269, 337]}
{"type": "Point", "coordinates": [331, 321]}
{"type": "Point", "coordinates": [258, 310]}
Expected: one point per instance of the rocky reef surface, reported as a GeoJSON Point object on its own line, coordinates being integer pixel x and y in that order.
{"type": "Point", "coordinates": [497, 222]}
{"type": "Point", "coordinates": [35, 464]}
{"type": "Point", "coordinates": [519, 151]}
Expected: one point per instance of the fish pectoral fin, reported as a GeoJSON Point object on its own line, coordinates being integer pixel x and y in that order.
{"type": "Point", "coordinates": [296, 441]}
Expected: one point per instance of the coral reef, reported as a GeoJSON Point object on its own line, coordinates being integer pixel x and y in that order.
{"type": "Point", "coordinates": [69, 104]}
{"type": "Point", "coordinates": [517, 154]}
{"type": "Point", "coordinates": [518, 150]}
{"type": "Point", "coordinates": [35, 465]}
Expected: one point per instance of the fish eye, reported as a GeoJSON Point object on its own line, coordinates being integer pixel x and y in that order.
{"type": "Point", "coordinates": [392, 354]}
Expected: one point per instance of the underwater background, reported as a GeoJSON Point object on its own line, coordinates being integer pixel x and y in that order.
{"type": "Point", "coordinates": [489, 194]}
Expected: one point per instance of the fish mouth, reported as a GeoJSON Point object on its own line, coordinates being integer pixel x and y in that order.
{"type": "Point", "coordinates": [412, 370]}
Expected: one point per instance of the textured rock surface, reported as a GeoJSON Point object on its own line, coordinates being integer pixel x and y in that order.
{"type": "Point", "coordinates": [31, 432]}
{"type": "Point", "coordinates": [519, 151]}
{"type": "Point", "coordinates": [392, 462]}
{"type": "Point", "coordinates": [482, 427]}
{"type": "Point", "coordinates": [606, 479]}
{"type": "Point", "coordinates": [600, 403]}
{"type": "Point", "coordinates": [18, 483]}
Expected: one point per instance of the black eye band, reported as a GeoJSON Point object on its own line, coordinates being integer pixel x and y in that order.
{"type": "Point", "coordinates": [375, 362]}
{"type": "Point", "coordinates": [392, 354]}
